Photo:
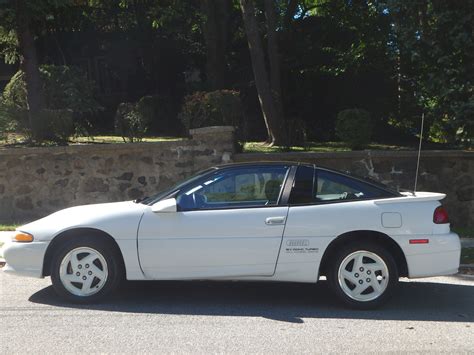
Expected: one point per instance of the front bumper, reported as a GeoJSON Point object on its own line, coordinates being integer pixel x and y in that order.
{"type": "Point", "coordinates": [24, 259]}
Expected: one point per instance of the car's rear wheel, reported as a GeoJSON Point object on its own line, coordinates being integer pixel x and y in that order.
{"type": "Point", "coordinates": [363, 276]}
{"type": "Point", "coordinates": [86, 270]}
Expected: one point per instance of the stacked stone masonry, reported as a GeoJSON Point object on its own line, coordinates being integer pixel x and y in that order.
{"type": "Point", "coordinates": [37, 181]}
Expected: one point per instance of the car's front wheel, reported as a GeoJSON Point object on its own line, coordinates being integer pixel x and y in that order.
{"type": "Point", "coordinates": [85, 270]}
{"type": "Point", "coordinates": [363, 275]}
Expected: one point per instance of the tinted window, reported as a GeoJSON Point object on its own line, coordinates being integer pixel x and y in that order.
{"type": "Point", "coordinates": [303, 186]}
{"type": "Point", "coordinates": [332, 186]}
{"type": "Point", "coordinates": [238, 187]}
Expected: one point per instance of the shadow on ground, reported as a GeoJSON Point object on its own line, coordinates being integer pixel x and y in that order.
{"type": "Point", "coordinates": [288, 302]}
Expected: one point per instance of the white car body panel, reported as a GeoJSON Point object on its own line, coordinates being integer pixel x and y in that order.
{"type": "Point", "coordinates": [240, 243]}
{"type": "Point", "coordinates": [210, 243]}
{"type": "Point", "coordinates": [119, 220]}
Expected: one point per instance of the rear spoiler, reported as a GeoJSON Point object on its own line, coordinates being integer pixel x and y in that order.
{"type": "Point", "coordinates": [409, 197]}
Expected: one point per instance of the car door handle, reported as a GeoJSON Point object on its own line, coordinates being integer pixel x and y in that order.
{"type": "Point", "coordinates": [275, 220]}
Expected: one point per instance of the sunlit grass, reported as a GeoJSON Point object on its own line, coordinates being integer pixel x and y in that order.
{"type": "Point", "coordinates": [15, 139]}
{"type": "Point", "coordinates": [258, 147]}
{"type": "Point", "coordinates": [118, 139]}
{"type": "Point", "coordinates": [8, 227]}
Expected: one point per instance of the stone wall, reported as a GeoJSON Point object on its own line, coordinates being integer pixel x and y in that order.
{"type": "Point", "coordinates": [37, 181]}
{"type": "Point", "coordinates": [450, 172]}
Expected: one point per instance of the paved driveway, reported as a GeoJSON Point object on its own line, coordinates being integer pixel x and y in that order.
{"type": "Point", "coordinates": [432, 315]}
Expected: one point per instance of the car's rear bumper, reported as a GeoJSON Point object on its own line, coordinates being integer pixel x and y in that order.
{"type": "Point", "coordinates": [24, 259]}
{"type": "Point", "coordinates": [441, 256]}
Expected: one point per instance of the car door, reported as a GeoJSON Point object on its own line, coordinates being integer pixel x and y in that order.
{"type": "Point", "coordinates": [228, 224]}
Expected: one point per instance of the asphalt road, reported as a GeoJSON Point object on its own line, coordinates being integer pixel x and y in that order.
{"type": "Point", "coordinates": [431, 315]}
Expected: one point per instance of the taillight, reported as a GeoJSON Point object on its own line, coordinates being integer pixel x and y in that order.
{"type": "Point", "coordinates": [440, 216]}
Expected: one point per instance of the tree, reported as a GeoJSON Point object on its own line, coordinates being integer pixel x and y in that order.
{"type": "Point", "coordinates": [23, 18]}
{"type": "Point", "coordinates": [433, 41]}
{"type": "Point", "coordinates": [271, 114]}
{"type": "Point", "coordinates": [215, 30]}
{"type": "Point", "coordinates": [274, 57]}
{"type": "Point", "coordinates": [29, 64]}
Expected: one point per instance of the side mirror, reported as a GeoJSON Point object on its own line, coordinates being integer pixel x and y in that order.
{"type": "Point", "coordinates": [166, 206]}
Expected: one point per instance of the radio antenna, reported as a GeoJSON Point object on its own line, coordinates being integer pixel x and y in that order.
{"type": "Point", "coordinates": [419, 152]}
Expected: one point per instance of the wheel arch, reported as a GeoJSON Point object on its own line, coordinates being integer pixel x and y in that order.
{"type": "Point", "coordinates": [74, 233]}
{"type": "Point", "coordinates": [365, 236]}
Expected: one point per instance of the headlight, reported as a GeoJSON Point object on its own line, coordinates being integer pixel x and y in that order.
{"type": "Point", "coordinates": [22, 237]}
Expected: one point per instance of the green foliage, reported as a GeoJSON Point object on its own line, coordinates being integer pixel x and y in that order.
{"type": "Point", "coordinates": [395, 58]}
{"type": "Point", "coordinates": [8, 45]}
{"type": "Point", "coordinates": [153, 112]}
{"type": "Point", "coordinates": [132, 120]}
{"type": "Point", "coordinates": [54, 125]}
{"type": "Point", "coordinates": [160, 113]}
{"type": "Point", "coordinates": [435, 50]}
{"type": "Point", "coordinates": [67, 92]}
{"type": "Point", "coordinates": [354, 126]}
{"type": "Point", "coordinates": [216, 108]}
{"type": "Point", "coordinates": [64, 88]}
{"type": "Point", "coordinates": [4, 121]}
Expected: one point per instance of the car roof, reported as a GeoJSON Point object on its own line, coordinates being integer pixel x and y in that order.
{"type": "Point", "coordinates": [261, 163]}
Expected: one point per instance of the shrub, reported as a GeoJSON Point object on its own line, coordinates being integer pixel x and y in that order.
{"type": "Point", "coordinates": [132, 121]}
{"type": "Point", "coordinates": [68, 95]}
{"type": "Point", "coordinates": [6, 123]}
{"type": "Point", "coordinates": [55, 125]}
{"type": "Point", "coordinates": [216, 108]}
{"type": "Point", "coordinates": [354, 127]}
{"type": "Point", "coordinates": [160, 114]}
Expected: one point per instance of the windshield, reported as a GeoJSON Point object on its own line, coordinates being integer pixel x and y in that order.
{"type": "Point", "coordinates": [158, 196]}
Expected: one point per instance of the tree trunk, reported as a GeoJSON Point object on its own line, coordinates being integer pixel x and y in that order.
{"type": "Point", "coordinates": [215, 31]}
{"type": "Point", "coordinates": [29, 65]}
{"type": "Point", "coordinates": [274, 60]}
{"type": "Point", "coordinates": [262, 82]}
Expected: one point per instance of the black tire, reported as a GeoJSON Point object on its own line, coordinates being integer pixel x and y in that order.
{"type": "Point", "coordinates": [114, 267]}
{"type": "Point", "coordinates": [339, 290]}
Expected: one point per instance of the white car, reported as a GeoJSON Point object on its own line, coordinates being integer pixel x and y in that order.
{"type": "Point", "coordinates": [256, 221]}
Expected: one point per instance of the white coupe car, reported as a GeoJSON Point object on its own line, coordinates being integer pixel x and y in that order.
{"type": "Point", "coordinates": [254, 221]}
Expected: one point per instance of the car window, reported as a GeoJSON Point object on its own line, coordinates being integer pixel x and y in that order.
{"type": "Point", "coordinates": [317, 185]}
{"type": "Point", "coordinates": [238, 187]}
{"type": "Point", "coordinates": [332, 186]}
{"type": "Point", "coordinates": [155, 198]}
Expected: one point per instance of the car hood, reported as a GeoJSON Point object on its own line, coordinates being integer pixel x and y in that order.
{"type": "Point", "coordinates": [119, 219]}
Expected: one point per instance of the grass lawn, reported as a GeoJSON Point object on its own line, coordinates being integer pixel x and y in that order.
{"type": "Point", "coordinates": [8, 227]}
{"type": "Point", "coordinates": [259, 147]}
{"type": "Point", "coordinates": [17, 140]}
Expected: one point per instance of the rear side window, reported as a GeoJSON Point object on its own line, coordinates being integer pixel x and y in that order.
{"type": "Point", "coordinates": [334, 187]}
{"type": "Point", "coordinates": [319, 186]}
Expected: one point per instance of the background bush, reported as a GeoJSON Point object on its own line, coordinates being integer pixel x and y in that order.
{"type": "Point", "coordinates": [354, 126]}
{"type": "Point", "coordinates": [55, 125]}
{"type": "Point", "coordinates": [160, 113]}
{"type": "Point", "coordinates": [216, 108]}
{"type": "Point", "coordinates": [69, 99]}
{"type": "Point", "coordinates": [132, 120]}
